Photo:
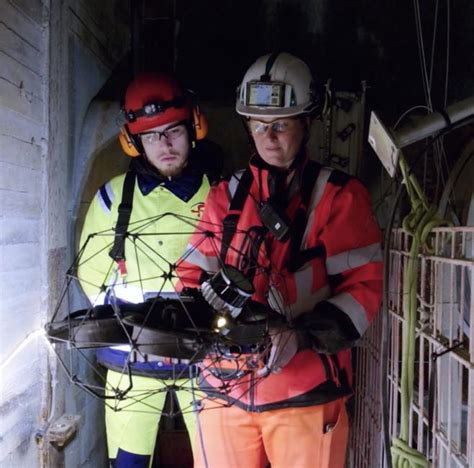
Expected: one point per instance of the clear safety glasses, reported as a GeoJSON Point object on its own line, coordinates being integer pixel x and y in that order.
{"type": "Point", "coordinates": [170, 134]}
{"type": "Point", "coordinates": [258, 127]}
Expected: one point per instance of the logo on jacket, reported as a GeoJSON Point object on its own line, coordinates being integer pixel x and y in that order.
{"type": "Point", "coordinates": [198, 209]}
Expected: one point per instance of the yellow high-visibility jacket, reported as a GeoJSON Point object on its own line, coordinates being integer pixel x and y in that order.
{"type": "Point", "coordinates": [162, 219]}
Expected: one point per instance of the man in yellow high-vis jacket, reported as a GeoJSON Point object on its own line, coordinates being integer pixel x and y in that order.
{"type": "Point", "coordinates": [167, 185]}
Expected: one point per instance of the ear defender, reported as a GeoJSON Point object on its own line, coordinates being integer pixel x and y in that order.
{"type": "Point", "coordinates": [200, 124]}
{"type": "Point", "coordinates": [128, 143]}
{"type": "Point", "coordinates": [131, 147]}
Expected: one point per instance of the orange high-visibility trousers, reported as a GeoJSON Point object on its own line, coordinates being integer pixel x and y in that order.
{"type": "Point", "coordinates": [308, 437]}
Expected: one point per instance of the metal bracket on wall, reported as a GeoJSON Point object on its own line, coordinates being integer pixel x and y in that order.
{"type": "Point", "coordinates": [346, 132]}
{"type": "Point", "coordinates": [60, 432]}
{"type": "Point", "coordinates": [343, 131]}
{"type": "Point", "coordinates": [339, 160]}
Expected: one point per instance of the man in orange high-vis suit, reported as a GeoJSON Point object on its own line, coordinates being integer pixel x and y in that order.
{"type": "Point", "coordinates": [305, 237]}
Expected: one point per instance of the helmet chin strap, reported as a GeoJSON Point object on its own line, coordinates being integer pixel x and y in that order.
{"type": "Point", "coordinates": [298, 157]}
{"type": "Point", "coordinates": [307, 130]}
{"type": "Point", "coordinates": [191, 134]}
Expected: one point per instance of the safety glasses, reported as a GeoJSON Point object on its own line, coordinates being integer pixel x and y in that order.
{"type": "Point", "coordinates": [258, 127]}
{"type": "Point", "coordinates": [170, 134]}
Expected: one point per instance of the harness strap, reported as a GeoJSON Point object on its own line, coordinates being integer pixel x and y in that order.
{"type": "Point", "coordinates": [271, 60]}
{"type": "Point", "coordinates": [117, 252]}
{"type": "Point", "coordinates": [299, 257]}
{"type": "Point", "coordinates": [235, 209]}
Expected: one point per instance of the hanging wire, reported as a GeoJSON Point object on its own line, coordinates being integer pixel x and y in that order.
{"type": "Point", "coordinates": [439, 154]}
{"type": "Point", "coordinates": [421, 53]}
{"type": "Point", "coordinates": [448, 42]}
{"type": "Point", "coordinates": [384, 362]}
{"type": "Point", "coordinates": [435, 27]}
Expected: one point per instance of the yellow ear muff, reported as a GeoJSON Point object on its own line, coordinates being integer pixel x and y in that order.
{"type": "Point", "coordinates": [200, 124]}
{"type": "Point", "coordinates": [127, 143]}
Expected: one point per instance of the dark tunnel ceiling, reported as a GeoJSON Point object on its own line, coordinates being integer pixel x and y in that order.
{"type": "Point", "coordinates": [345, 40]}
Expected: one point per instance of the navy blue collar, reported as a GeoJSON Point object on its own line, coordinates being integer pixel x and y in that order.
{"type": "Point", "coordinates": [184, 186]}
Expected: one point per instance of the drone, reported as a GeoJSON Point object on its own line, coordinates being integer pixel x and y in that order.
{"type": "Point", "coordinates": [180, 327]}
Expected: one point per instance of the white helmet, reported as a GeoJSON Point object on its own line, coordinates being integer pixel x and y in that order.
{"type": "Point", "coordinates": [277, 85]}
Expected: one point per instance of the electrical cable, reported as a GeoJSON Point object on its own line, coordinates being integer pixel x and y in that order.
{"type": "Point", "coordinates": [385, 309]}
{"type": "Point", "coordinates": [386, 328]}
{"type": "Point", "coordinates": [417, 159]}
{"type": "Point", "coordinates": [435, 25]}
{"type": "Point", "coordinates": [448, 33]}
{"type": "Point", "coordinates": [421, 53]}
{"type": "Point", "coordinates": [440, 158]}
{"type": "Point", "coordinates": [419, 223]}
{"type": "Point", "coordinates": [198, 423]}
{"type": "Point", "coordinates": [411, 109]}
{"type": "Point", "coordinates": [377, 203]}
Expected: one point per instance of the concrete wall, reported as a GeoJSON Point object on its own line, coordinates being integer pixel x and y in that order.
{"type": "Point", "coordinates": [23, 148]}
{"type": "Point", "coordinates": [55, 56]}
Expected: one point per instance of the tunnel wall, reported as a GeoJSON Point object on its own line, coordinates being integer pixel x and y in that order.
{"type": "Point", "coordinates": [55, 58]}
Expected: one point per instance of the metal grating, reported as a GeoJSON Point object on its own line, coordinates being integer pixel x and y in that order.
{"type": "Point", "coordinates": [366, 444]}
{"type": "Point", "coordinates": [441, 426]}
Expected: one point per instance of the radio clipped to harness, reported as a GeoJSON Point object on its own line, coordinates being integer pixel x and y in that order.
{"type": "Point", "coordinates": [273, 220]}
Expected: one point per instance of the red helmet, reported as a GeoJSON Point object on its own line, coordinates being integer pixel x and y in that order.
{"type": "Point", "coordinates": [154, 99]}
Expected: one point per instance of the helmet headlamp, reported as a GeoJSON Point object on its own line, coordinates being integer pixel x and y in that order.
{"type": "Point", "coordinates": [151, 109]}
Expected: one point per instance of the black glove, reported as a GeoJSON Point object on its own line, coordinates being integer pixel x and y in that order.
{"type": "Point", "coordinates": [327, 329]}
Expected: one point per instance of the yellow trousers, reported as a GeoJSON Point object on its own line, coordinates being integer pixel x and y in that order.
{"type": "Point", "coordinates": [132, 424]}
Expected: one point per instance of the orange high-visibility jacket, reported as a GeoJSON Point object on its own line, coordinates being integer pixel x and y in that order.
{"type": "Point", "coordinates": [333, 280]}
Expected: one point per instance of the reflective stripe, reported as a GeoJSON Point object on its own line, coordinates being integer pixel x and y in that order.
{"type": "Point", "coordinates": [276, 302]}
{"type": "Point", "coordinates": [162, 294]}
{"type": "Point", "coordinates": [210, 264]}
{"type": "Point", "coordinates": [110, 192]}
{"type": "Point", "coordinates": [105, 196]}
{"type": "Point", "coordinates": [123, 347]}
{"type": "Point", "coordinates": [316, 196]}
{"type": "Point", "coordinates": [127, 293]}
{"type": "Point", "coordinates": [145, 357]}
{"type": "Point", "coordinates": [234, 182]}
{"type": "Point", "coordinates": [352, 309]}
{"type": "Point", "coordinates": [305, 299]}
{"type": "Point", "coordinates": [353, 258]}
